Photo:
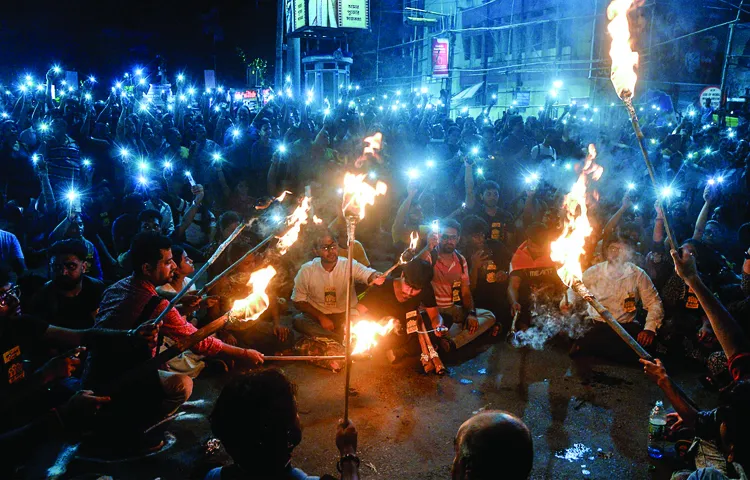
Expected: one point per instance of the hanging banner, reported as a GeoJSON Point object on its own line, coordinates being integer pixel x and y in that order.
{"type": "Point", "coordinates": [354, 14]}
{"type": "Point", "coordinates": [440, 50]}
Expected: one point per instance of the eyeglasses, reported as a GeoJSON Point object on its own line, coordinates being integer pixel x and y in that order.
{"type": "Point", "coordinates": [449, 237]}
{"type": "Point", "coordinates": [13, 292]}
{"type": "Point", "coordinates": [329, 247]}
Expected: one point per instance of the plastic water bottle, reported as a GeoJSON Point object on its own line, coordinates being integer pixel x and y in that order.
{"type": "Point", "coordinates": [657, 424]}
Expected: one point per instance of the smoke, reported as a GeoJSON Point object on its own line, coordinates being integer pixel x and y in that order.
{"type": "Point", "coordinates": [547, 322]}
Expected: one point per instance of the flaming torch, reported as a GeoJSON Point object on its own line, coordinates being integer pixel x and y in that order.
{"type": "Point", "coordinates": [411, 249]}
{"type": "Point", "coordinates": [624, 61]}
{"type": "Point", "coordinates": [357, 194]}
{"type": "Point", "coordinates": [372, 147]}
{"type": "Point", "coordinates": [294, 221]}
{"type": "Point", "coordinates": [365, 334]}
{"type": "Point", "coordinates": [570, 246]}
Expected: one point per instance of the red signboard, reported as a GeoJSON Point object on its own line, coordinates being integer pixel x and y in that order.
{"type": "Point", "coordinates": [440, 49]}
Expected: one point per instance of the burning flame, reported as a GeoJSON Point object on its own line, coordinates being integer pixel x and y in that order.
{"type": "Point", "coordinates": [569, 247]}
{"type": "Point", "coordinates": [372, 144]}
{"type": "Point", "coordinates": [413, 239]}
{"type": "Point", "coordinates": [316, 220]}
{"type": "Point", "coordinates": [358, 193]}
{"type": "Point", "coordinates": [296, 220]}
{"type": "Point", "coordinates": [366, 332]}
{"type": "Point", "coordinates": [624, 59]}
{"type": "Point", "coordinates": [281, 197]}
{"type": "Point", "coordinates": [252, 306]}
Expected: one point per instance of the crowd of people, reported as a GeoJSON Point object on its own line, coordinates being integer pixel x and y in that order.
{"type": "Point", "coordinates": [108, 204]}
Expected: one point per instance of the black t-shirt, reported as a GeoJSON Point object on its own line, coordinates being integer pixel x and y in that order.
{"type": "Point", "coordinates": [489, 289]}
{"type": "Point", "coordinates": [69, 312]}
{"type": "Point", "coordinates": [18, 337]}
{"type": "Point", "coordinates": [381, 301]}
{"type": "Point", "coordinates": [500, 226]}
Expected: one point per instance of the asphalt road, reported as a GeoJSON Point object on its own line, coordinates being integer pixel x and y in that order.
{"type": "Point", "coordinates": [588, 419]}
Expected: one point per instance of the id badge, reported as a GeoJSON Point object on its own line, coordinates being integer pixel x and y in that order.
{"type": "Point", "coordinates": [330, 296]}
{"type": "Point", "coordinates": [692, 301]}
{"type": "Point", "coordinates": [456, 290]}
{"type": "Point", "coordinates": [496, 228]}
{"type": "Point", "coordinates": [629, 303]}
{"type": "Point", "coordinates": [411, 322]}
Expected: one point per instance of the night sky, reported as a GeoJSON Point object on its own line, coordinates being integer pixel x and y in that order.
{"type": "Point", "coordinates": [107, 38]}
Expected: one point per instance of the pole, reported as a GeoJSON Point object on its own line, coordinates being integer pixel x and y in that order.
{"type": "Point", "coordinates": [628, 100]}
{"type": "Point", "coordinates": [584, 293]}
{"type": "Point", "coordinates": [155, 362]}
{"type": "Point", "coordinates": [351, 227]}
{"type": "Point", "coordinates": [727, 53]}
{"type": "Point", "coordinates": [208, 286]}
{"type": "Point", "coordinates": [299, 358]}
{"type": "Point", "coordinates": [278, 77]}
{"type": "Point", "coordinates": [202, 270]}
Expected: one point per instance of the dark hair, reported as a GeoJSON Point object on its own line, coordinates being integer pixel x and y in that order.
{"type": "Point", "coordinates": [450, 223]}
{"type": "Point", "coordinates": [71, 246]}
{"type": "Point", "coordinates": [473, 225]}
{"type": "Point", "coordinates": [149, 214]}
{"type": "Point", "coordinates": [616, 237]}
{"type": "Point", "coordinates": [488, 185]}
{"type": "Point", "coordinates": [418, 273]}
{"type": "Point", "coordinates": [227, 218]}
{"type": "Point", "coordinates": [177, 252]}
{"type": "Point", "coordinates": [537, 233]}
{"type": "Point", "coordinates": [255, 417]}
{"type": "Point", "coordinates": [146, 248]}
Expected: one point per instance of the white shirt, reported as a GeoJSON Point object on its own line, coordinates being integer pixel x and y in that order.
{"type": "Point", "coordinates": [618, 290]}
{"type": "Point", "coordinates": [541, 151]}
{"type": "Point", "coordinates": [169, 289]}
{"type": "Point", "coordinates": [326, 291]}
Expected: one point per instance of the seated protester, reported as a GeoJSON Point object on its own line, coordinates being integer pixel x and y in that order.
{"type": "Point", "coordinates": [256, 418]}
{"type": "Point", "coordinates": [126, 226]}
{"type": "Point", "coordinates": [722, 432]}
{"type": "Point", "coordinates": [453, 292]}
{"type": "Point", "coordinates": [320, 289]}
{"type": "Point", "coordinates": [477, 456]}
{"type": "Point", "coordinates": [409, 218]}
{"type": "Point", "coordinates": [359, 254]}
{"type": "Point", "coordinates": [197, 225]}
{"type": "Point", "coordinates": [148, 221]}
{"type": "Point", "coordinates": [11, 253]}
{"type": "Point", "coordinates": [499, 222]}
{"type": "Point", "coordinates": [489, 261]}
{"type": "Point", "coordinates": [533, 275]}
{"type": "Point", "coordinates": [26, 393]}
{"type": "Point", "coordinates": [129, 303]}
{"type": "Point", "coordinates": [71, 298]}
{"type": "Point", "coordinates": [687, 332]}
{"type": "Point", "coordinates": [620, 286]}
{"type": "Point", "coordinates": [72, 227]}
{"type": "Point", "coordinates": [154, 202]}
{"type": "Point", "coordinates": [402, 298]}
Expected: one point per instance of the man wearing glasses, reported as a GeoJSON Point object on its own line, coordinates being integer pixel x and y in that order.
{"type": "Point", "coordinates": [320, 290]}
{"type": "Point", "coordinates": [621, 287]}
{"type": "Point", "coordinates": [452, 288]}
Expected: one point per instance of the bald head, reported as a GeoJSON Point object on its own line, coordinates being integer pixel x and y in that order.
{"type": "Point", "coordinates": [493, 444]}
